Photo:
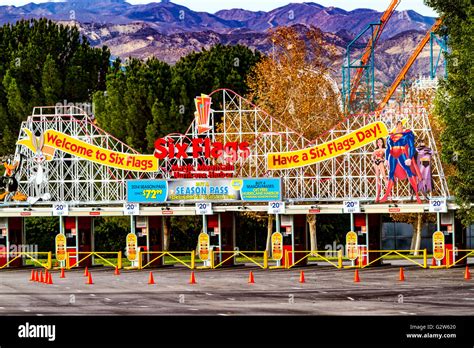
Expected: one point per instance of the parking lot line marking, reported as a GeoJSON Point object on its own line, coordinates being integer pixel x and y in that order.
{"type": "Point", "coordinates": [231, 299]}
{"type": "Point", "coordinates": [93, 295]}
{"type": "Point", "coordinates": [208, 294]}
{"type": "Point", "coordinates": [350, 298]}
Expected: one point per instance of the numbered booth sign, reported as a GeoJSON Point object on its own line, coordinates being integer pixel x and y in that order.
{"type": "Point", "coordinates": [132, 251]}
{"type": "Point", "coordinates": [60, 247]}
{"type": "Point", "coordinates": [276, 207]}
{"type": "Point", "coordinates": [60, 209]}
{"type": "Point", "coordinates": [438, 246]}
{"type": "Point", "coordinates": [352, 248]}
{"type": "Point", "coordinates": [438, 206]}
{"type": "Point", "coordinates": [277, 246]}
{"type": "Point", "coordinates": [131, 209]}
{"type": "Point", "coordinates": [203, 246]}
{"type": "Point", "coordinates": [351, 207]}
{"type": "Point", "coordinates": [203, 208]}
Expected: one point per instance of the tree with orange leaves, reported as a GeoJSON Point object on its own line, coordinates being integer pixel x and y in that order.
{"type": "Point", "coordinates": [294, 85]}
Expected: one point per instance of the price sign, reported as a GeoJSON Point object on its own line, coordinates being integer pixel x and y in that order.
{"type": "Point", "coordinates": [276, 207]}
{"type": "Point", "coordinates": [438, 246]}
{"type": "Point", "coordinates": [438, 206]}
{"type": "Point", "coordinates": [60, 209]}
{"type": "Point", "coordinates": [203, 208]}
{"type": "Point", "coordinates": [352, 248]}
{"type": "Point", "coordinates": [131, 248]}
{"type": "Point", "coordinates": [351, 207]}
{"type": "Point", "coordinates": [277, 246]}
{"type": "Point", "coordinates": [203, 246]}
{"type": "Point", "coordinates": [60, 247]}
{"type": "Point", "coordinates": [131, 209]}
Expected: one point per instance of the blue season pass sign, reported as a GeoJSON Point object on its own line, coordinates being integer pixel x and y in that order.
{"type": "Point", "coordinates": [147, 191]}
{"type": "Point", "coordinates": [261, 190]}
{"type": "Point", "coordinates": [204, 190]}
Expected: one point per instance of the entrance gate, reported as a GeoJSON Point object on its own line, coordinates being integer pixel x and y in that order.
{"type": "Point", "coordinates": [101, 190]}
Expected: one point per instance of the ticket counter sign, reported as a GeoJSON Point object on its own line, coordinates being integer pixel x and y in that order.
{"type": "Point", "coordinates": [132, 250]}
{"type": "Point", "coordinates": [438, 246]}
{"type": "Point", "coordinates": [60, 247]}
{"type": "Point", "coordinates": [203, 246]}
{"type": "Point", "coordinates": [352, 249]}
{"type": "Point", "coordinates": [277, 246]}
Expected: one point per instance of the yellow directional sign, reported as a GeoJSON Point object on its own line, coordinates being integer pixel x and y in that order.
{"type": "Point", "coordinates": [60, 247]}
{"type": "Point", "coordinates": [352, 249]}
{"type": "Point", "coordinates": [132, 247]}
{"type": "Point", "coordinates": [203, 246]}
{"type": "Point", "coordinates": [438, 246]}
{"type": "Point", "coordinates": [277, 246]}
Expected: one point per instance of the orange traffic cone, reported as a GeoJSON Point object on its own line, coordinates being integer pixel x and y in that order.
{"type": "Point", "coordinates": [62, 273]}
{"type": "Point", "coordinates": [150, 279]}
{"type": "Point", "coordinates": [50, 279]}
{"type": "Point", "coordinates": [41, 279]}
{"type": "Point", "coordinates": [117, 272]}
{"type": "Point", "coordinates": [402, 275]}
{"type": "Point", "coordinates": [467, 273]}
{"type": "Point", "coordinates": [302, 277]}
{"type": "Point", "coordinates": [192, 278]}
{"type": "Point", "coordinates": [86, 272]}
{"type": "Point", "coordinates": [356, 276]}
{"type": "Point", "coordinates": [251, 278]}
{"type": "Point", "coordinates": [35, 279]}
{"type": "Point", "coordinates": [89, 279]}
{"type": "Point", "coordinates": [32, 276]}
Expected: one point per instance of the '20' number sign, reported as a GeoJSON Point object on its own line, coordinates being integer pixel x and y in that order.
{"type": "Point", "coordinates": [276, 207]}
{"type": "Point", "coordinates": [351, 207]}
{"type": "Point", "coordinates": [131, 209]}
{"type": "Point", "coordinates": [204, 208]}
{"type": "Point", "coordinates": [438, 206]}
{"type": "Point", "coordinates": [60, 209]}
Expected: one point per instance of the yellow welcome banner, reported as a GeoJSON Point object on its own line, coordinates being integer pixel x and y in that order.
{"type": "Point", "coordinates": [325, 151]}
{"type": "Point", "coordinates": [54, 140]}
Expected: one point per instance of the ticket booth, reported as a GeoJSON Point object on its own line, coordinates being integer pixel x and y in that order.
{"type": "Point", "coordinates": [447, 227]}
{"type": "Point", "coordinates": [149, 231]}
{"type": "Point", "coordinates": [368, 229]}
{"type": "Point", "coordinates": [79, 239]}
{"type": "Point", "coordinates": [221, 230]}
{"type": "Point", "coordinates": [294, 229]}
{"type": "Point", "coordinates": [11, 235]}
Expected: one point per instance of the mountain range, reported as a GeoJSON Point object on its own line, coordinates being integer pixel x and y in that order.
{"type": "Point", "coordinates": [169, 31]}
{"type": "Point", "coordinates": [167, 17]}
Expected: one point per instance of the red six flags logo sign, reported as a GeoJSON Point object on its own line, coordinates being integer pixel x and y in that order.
{"type": "Point", "coordinates": [201, 147]}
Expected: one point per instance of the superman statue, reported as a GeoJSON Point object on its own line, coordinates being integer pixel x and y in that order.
{"type": "Point", "coordinates": [400, 156]}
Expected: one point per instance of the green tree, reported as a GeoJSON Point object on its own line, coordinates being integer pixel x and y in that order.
{"type": "Point", "coordinates": [36, 56]}
{"type": "Point", "coordinates": [15, 102]}
{"type": "Point", "coordinates": [454, 103]}
{"type": "Point", "coordinates": [51, 81]}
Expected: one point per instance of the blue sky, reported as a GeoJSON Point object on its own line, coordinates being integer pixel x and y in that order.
{"type": "Point", "coordinates": [265, 5]}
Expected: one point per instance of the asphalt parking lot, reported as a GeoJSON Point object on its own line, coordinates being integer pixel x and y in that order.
{"type": "Point", "coordinates": [327, 291]}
